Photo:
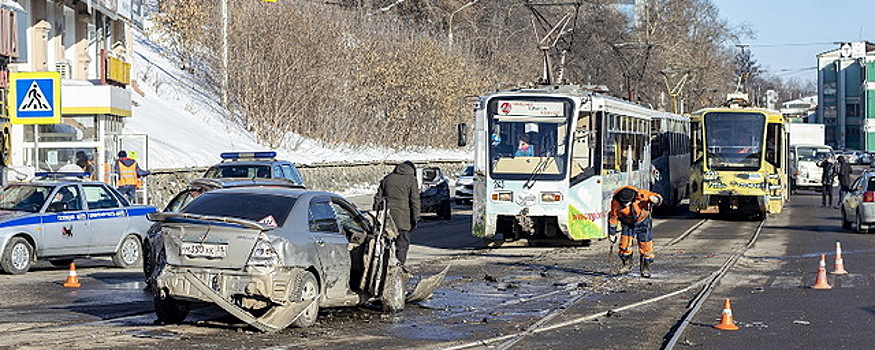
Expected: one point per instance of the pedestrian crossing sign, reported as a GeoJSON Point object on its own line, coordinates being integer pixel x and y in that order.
{"type": "Point", "coordinates": [35, 97]}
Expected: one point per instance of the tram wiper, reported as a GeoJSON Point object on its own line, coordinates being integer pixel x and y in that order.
{"type": "Point", "coordinates": [539, 169]}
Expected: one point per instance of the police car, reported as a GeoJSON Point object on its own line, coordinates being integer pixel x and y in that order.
{"type": "Point", "coordinates": [59, 217]}
{"type": "Point", "coordinates": [252, 165]}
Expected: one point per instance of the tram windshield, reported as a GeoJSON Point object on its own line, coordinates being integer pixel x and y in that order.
{"type": "Point", "coordinates": [734, 140]}
{"type": "Point", "coordinates": [522, 144]}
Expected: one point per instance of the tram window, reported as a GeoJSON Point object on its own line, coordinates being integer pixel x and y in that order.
{"type": "Point", "coordinates": [773, 134]}
{"type": "Point", "coordinates": [609, 157]}
{"type": "Point", "coordinates": [696, 134]}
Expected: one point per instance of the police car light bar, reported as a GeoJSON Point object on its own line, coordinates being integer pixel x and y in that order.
{"type": "Point", "coordinates": [238, 155]}
{"type": "Point", "coordinates": [61, 174]}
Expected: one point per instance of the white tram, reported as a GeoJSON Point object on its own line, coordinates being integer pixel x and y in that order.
{"type": "Point", "coordinates": [548, 160]}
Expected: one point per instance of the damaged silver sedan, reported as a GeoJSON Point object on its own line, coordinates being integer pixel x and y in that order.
{"type": "Point", "coordinates": [272, 256]}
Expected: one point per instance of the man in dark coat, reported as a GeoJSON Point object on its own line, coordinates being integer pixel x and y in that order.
{"type": "Point", "coordinates": [844, 174]}
{"type": "Point", "coordinates": [401, 190]}
{"type": "Point", "coordinates": [827, 179]}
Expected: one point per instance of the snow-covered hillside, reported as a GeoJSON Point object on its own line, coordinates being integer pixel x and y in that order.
{"type": "Point", "coordinates": [186, 128]}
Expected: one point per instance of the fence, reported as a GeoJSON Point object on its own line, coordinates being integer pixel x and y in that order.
{"type": "Point", "coordinates": [332, 177]}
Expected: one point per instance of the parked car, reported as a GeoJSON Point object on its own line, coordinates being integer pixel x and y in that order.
{"type": "Point", "coordinates": [273, 256]}
{"type": "Point", "coordinates": [465, 185]}
{"type": "Point", "coordinates": [858, 206]}
{"type": "Point", "coordinates": [199, 186]}
{"type": "Point", "coordinates": [434, 192]}
{"type": "Point", "coordinates": [865, 158]}
{"type": "Point", "coordinates": [252, 165]}
{"type": "Point", "coordinates": [851, 156]}
{"type": "Point", "coordinates": [59, 218]}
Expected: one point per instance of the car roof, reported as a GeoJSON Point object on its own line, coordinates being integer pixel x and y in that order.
{"type": "Point", "coordinates": [228, 182]}
{"type": "Point", "coordinates": [276, 191]}
{"type": "Point", "coordinates": [45, 182]}
{"type": "Point", "coordinates": [231, 162]}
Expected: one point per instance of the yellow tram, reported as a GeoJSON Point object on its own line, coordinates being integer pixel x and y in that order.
{"type": "Point", "coordinates": [739, 160]}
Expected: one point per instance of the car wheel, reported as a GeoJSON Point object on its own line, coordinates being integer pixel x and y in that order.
{"type": "Point", "coordinates": [393, 290]}
{"type": "Point", "coordinates": [859, 224]}
{"type": "Point", "coordinates": [61, 262]}
{"type": "Point", "coordinates": [130, 253]}
{"type": "Point", "coordinates": [845, 223]}
{"type": "Point", "coordinates": [17, 257]}
{"type": "Point", "coordinates": [170, 311]}
{"type": "Point", "coordinates": [306, 288]}
{"type": "Point", "coordinates": [446, 210]}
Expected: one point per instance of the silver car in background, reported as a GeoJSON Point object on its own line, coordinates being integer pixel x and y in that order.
{"type": "Point", "coordinates": [858, 206]}
{"type": "Point", "coordinates": [465, 185]}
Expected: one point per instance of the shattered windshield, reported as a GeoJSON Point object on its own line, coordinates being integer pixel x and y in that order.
{"type": "Point", "coordinates": [24, 197]}
{"type": "Point", "coordinates": [734, 140]}
{"type": "Point", "coordinates": [528, 137]}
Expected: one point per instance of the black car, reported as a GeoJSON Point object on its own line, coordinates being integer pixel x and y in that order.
{"type": "Point", "coordinates": [434, 192]}
{"type": "Point", "coordinates": [254, 165]}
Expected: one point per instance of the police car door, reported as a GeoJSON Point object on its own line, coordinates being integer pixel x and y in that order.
{"type": "Point", "coordinates": [65, 224]}
{"type": "Point", "coordinates": [108, 219]}
{"type": "Point", "coordinates": [331, 244]}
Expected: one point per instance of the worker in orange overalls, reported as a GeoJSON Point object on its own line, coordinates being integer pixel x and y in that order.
{"type": "Point", "coordinates": [129, 174]}
{"type": "Point", "coordinates": [630, 216]}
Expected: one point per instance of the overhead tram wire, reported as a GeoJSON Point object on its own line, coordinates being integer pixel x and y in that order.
{"type": "Point", "coordinates": [791, 44]}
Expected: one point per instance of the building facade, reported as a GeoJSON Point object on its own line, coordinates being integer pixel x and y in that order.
{"type": "Point", "coordinates": [846, 95]}
{"type": "Point", "coordinates": [90, 45]}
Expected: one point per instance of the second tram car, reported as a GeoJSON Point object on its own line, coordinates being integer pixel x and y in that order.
{"type": "Point", "coordinates": [548, 160]}
{"type": "Point", "coordinates": [670, 156]}
{"type": "Point", "coordinates": [739, 161]}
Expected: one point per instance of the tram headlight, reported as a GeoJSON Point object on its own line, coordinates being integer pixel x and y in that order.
{"type": "Point", "coordinates": [549, 197]}
{"type": "Point", "coordinates": [502, 196]}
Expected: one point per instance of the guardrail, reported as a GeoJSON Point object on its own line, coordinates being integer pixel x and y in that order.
{"type": "Point", "coordinates": [332, 177]}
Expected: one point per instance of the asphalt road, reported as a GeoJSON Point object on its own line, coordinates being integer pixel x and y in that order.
{"type": "Point", "coordinates": [510, 297]}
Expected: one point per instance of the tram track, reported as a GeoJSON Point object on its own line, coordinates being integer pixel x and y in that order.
{"type": "Point", "coordinates": [706, 284]}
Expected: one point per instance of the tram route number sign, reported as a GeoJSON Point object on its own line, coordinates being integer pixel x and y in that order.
{"type": "Point", "coordinates": [530, 108]}
{"type": "Point", "coordinates": [35, 97]}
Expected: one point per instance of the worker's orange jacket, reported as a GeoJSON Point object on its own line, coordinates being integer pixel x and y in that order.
{"type": "Point", "coordinates": [635, 212]}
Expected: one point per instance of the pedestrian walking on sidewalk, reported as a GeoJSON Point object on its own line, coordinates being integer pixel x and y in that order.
{"type": "Point", "coordinates": [630, 217]}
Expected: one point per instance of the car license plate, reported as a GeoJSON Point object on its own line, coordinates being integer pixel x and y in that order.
{"type": "Point", "coordinates": [206, 250]}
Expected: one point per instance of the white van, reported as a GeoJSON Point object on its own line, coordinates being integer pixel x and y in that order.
{"type": "Point", "coordinates": [804, 172]}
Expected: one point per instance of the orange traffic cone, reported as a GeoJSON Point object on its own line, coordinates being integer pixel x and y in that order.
{"type": "Point", "coordinates": [821, 282]}
{"type": "Point", "coordinates": [726, 321]}
{"type": "Point", "coordinates": [840, 264]}
{"type": "Point", "coordinates": [72, 278]}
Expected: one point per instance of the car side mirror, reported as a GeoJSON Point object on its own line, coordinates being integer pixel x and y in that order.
{"type": "Point", "coordinates": [463, 134]}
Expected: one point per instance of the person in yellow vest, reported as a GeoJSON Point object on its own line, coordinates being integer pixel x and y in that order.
{"type": "Point", "coordinates": [129, 174]}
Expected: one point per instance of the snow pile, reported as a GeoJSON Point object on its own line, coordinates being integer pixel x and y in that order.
{"type": "Point", "coordinates": [186, 127]}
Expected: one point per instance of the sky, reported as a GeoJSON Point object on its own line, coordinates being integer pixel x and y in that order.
{"type": "Point", "coordinates": [790, 33]}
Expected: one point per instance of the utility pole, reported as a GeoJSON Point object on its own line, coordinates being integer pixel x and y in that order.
{"type": "Point", "coordinates": [225, 57]}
